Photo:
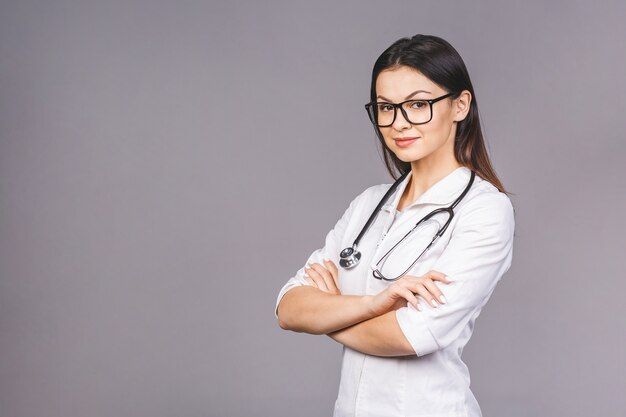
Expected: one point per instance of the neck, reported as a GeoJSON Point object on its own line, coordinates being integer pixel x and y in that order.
{"type": "Point", "coordinates": [425, 174]}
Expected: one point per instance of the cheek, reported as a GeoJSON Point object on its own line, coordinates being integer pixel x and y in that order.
{"type": "Point", "coordinates": [438, 129]}
{"type": "Point", "coordinates": [441, 120]}
{"type": "Point", "coordinates": [387, 137]}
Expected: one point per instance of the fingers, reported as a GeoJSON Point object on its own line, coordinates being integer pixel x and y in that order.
{"type": "Point", "coordinates": [425, 287]}
{"type": "Point", "coordinates": [330, 265]}
{"type": "Point", "coordinates": [325, 278]}
{"type": "Point", "coordinates": [438, 276]}
{"type": "Point", "coordinates": [418, 287]}
{"type": "Point", "coordinates": [411, 298]}
{"type": "Point", "coordinates": [405, 293]}
{"type": "Point", "coordinates": [433, 292]}
{"type": "Point", "coordinates": [317, 278]}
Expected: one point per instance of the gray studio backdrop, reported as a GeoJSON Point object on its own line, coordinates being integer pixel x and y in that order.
{"type": "Point", "coordinates": [165, 167]}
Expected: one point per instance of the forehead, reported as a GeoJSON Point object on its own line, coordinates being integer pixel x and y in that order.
{"type": "Point", "coordinates": [398, 82]}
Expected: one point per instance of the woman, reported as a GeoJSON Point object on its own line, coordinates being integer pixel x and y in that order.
{"type": "Point", "coordinates": [405, 315]}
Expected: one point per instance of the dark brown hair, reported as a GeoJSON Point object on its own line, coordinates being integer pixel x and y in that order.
{"type": "Point", "coordinates": [441, 63]}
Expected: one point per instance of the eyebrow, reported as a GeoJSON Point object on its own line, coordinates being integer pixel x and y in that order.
{"type": "Point", "coordinates": [409, 96]}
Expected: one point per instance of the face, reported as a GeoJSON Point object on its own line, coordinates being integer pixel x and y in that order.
{"type": "Point", "coordinates": [435, 141]}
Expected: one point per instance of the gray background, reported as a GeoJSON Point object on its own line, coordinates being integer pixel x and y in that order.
{"type": "Point", "coordinates": [165, 167]}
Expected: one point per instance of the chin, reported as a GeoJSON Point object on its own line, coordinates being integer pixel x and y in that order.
{"type": "Point", "coordinates": [407, 156]}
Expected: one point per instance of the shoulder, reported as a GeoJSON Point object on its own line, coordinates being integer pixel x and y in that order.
{"type": "Point", "coordinates": [367, 199]}
{"type": "Point", "coordinates": [487, 206]}
{"type": "Point", "coordinates": [374, 192]}
{"type": "Point", "coordinates": [486, 193]}
{"type": "Point", "coordinates": [377, 191]}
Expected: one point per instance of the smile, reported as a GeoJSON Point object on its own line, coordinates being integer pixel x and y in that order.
{"type": "Point", "coordinates": [405, 142]}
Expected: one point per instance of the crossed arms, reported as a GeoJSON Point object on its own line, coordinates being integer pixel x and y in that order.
{"type": "Point", "coordinates": [478, 254]}
{"type": "Point", "coordinates": [345, 318]}
{"type": "Point", "coordinates": [365, 323]}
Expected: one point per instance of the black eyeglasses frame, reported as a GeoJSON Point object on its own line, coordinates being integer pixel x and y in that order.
{"type": "Point", "coordinates": [369, 107]}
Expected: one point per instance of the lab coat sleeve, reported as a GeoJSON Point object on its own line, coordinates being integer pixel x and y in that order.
{"type": "Point", "coordinates": [330, 250]}
{"type": "Point", "coordinates": [476, 257]}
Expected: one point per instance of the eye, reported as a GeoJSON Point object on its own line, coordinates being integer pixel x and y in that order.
{"type": "Point", "coordinates": [418, 105]}
{"type": "Point", "coordinates": [385, 107]}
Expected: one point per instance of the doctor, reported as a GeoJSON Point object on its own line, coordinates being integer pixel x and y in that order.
{"type": "Point", "coordinates": [402, 313]}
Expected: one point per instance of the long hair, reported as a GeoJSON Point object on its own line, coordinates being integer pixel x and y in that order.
{"type": "Point", "coordinates": [441, 63]}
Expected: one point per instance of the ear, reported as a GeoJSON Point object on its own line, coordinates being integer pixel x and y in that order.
{"type": "Point", "coordinates": [461, 105]}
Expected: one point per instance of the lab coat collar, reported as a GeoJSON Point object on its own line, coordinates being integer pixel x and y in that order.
{"type": "Point", "coordinates": [444, 191]}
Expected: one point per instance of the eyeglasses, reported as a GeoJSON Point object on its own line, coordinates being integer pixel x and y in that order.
{"type": "Point", "coordinates": [416, 112]}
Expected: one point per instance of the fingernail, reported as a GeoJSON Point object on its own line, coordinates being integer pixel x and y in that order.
{"type": "Point", "coordinates": [434, 303]}
{"type": "Point", "coordinates": [443, 299]}
{"type": "Point", "coordinates": [306, 275]}
{"type": "Point", "coordinates": [326, 260]}
{"type": "Point", "coordinates": [419, 307]}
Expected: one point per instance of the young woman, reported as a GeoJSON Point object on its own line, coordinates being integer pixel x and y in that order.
{"type": "Point", "coordinates": [405, 272]}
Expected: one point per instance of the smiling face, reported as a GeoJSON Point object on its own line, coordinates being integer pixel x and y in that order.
{"type": "Point", "coordinates": [435, 143]}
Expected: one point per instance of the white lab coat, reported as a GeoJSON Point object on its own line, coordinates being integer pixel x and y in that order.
{"type": "Point", "coordinates": [475, 251]}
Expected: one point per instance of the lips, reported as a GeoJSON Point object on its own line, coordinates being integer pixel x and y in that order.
{"type": "Point", "coordinates": [404, 142]}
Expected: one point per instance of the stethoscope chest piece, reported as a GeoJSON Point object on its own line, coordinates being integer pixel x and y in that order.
{"type": "Point", "coordinates": [350, 257]}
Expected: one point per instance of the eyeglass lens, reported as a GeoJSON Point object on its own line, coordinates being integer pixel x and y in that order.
{"type": "Point", "coordinates": [417, 111]}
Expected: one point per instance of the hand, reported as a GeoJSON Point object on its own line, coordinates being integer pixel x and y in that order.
{"type": "Point", "coordinates": [324, 278]}
{"type": "Point", "coordinates": [403, 291]}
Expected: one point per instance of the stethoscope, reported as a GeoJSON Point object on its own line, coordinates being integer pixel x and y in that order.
{"type": "Point", "coordinates": [350, 257]}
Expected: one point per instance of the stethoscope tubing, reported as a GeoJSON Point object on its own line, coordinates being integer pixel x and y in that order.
{"type": "Point", "coordinates": [350, 256]}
